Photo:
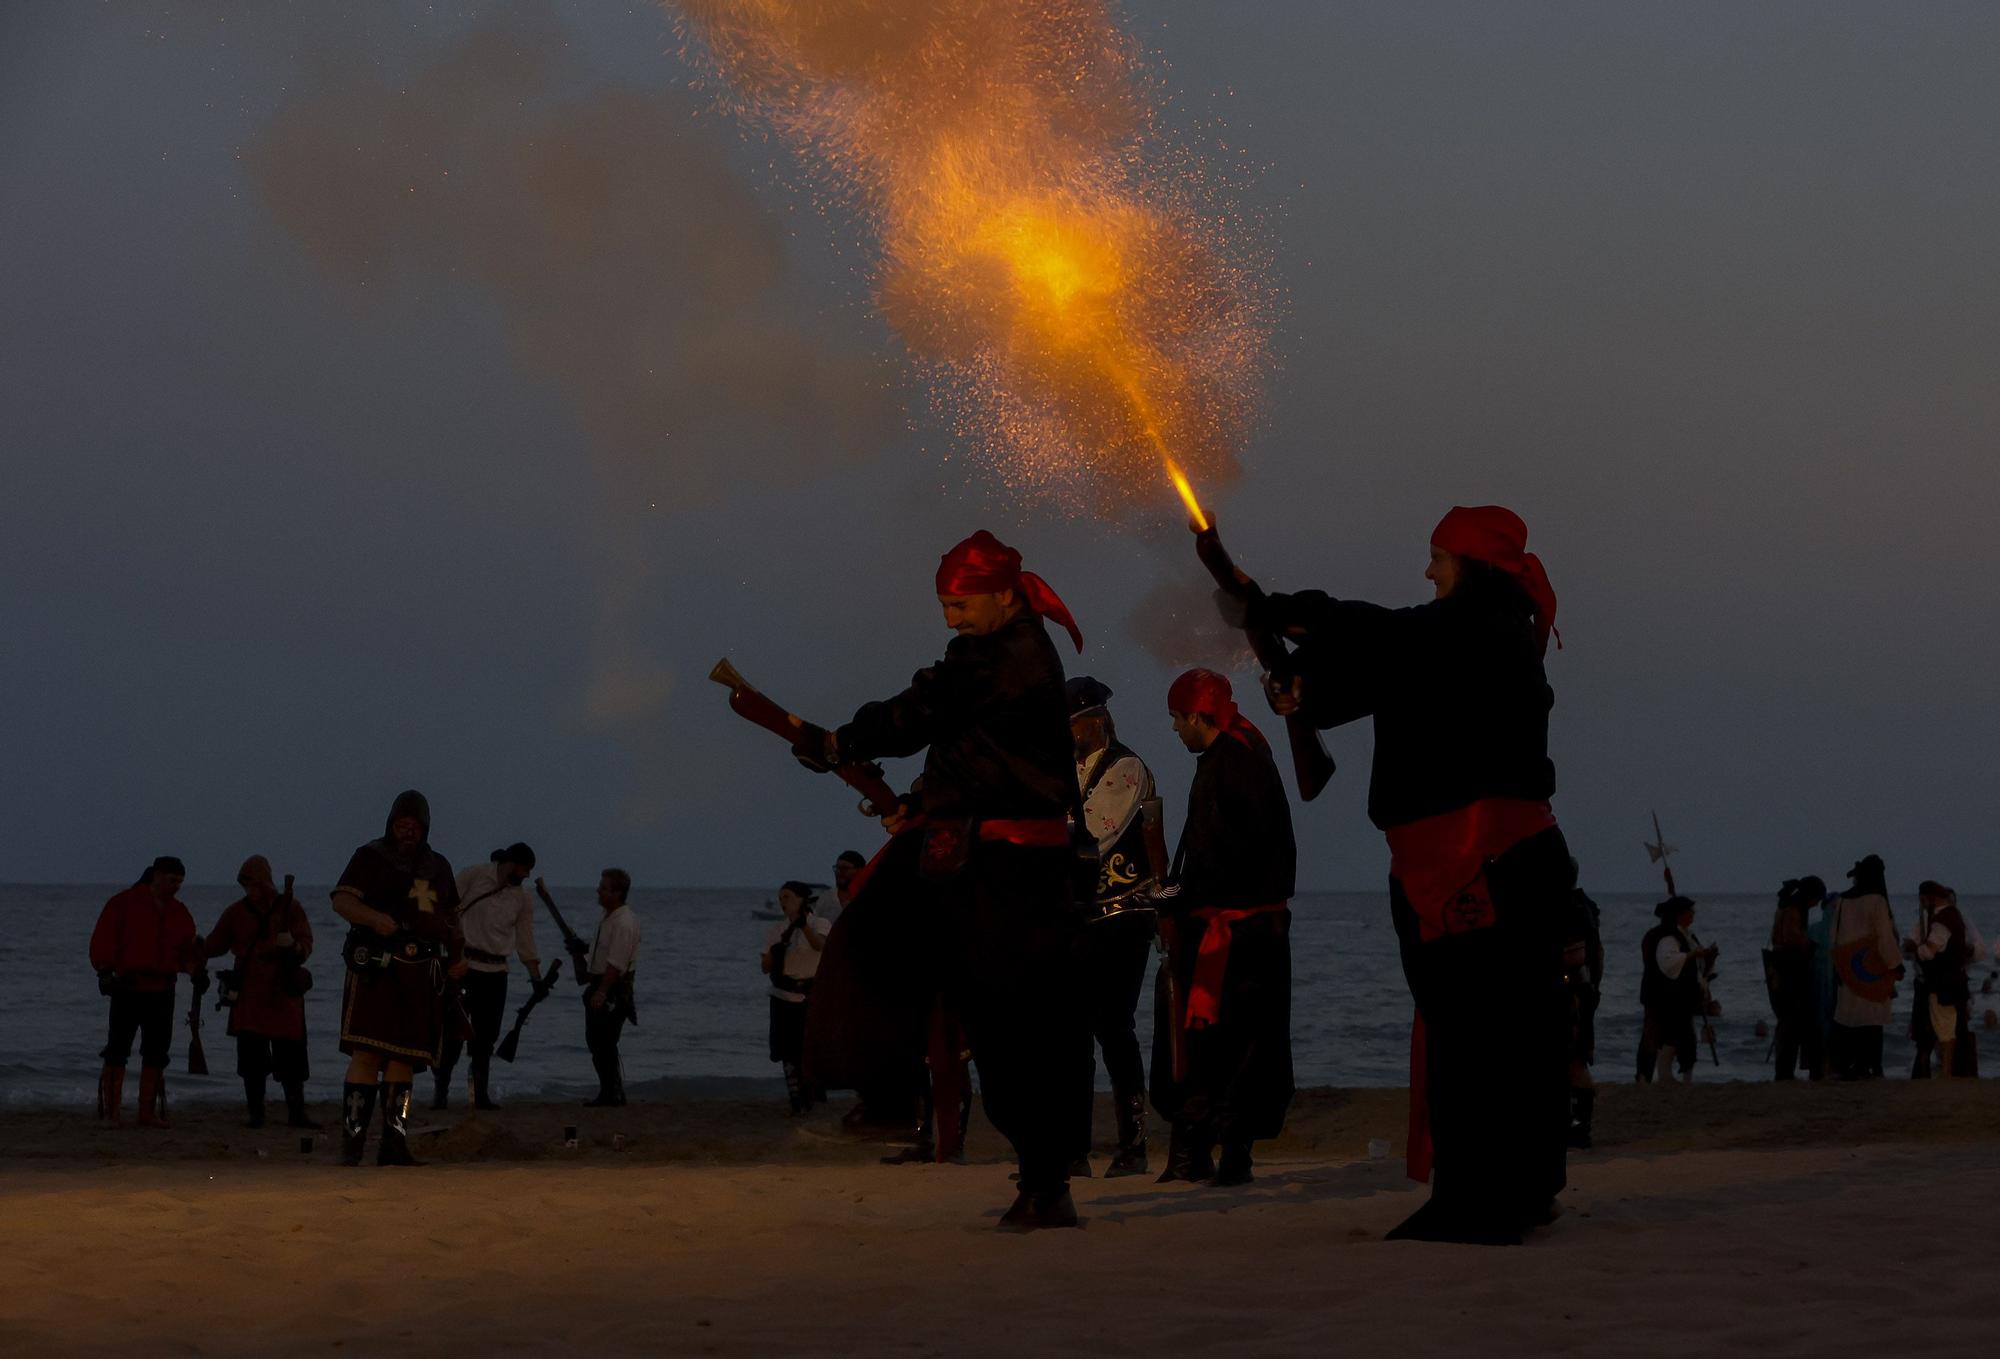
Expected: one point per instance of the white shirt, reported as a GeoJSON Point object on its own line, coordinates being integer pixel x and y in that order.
{"type": "Point", "coordinates": [617, 942]}
{"type": "Point", "coordinates": [501, 921]}
{"type": "Point", "coordinates": [801, 958]}
{"type": "Point", "coordinates": [1671, 955]}
{"type": "Point", "coordinates": [1109, 810]}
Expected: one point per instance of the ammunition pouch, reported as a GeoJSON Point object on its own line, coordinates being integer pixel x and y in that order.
{"type": "Point", "coordinates": [367, 951]}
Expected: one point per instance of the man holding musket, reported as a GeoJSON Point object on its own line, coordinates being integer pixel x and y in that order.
{"type": "Point", "coordinates": [997, 853]}
{"type": "Point", "coordinates": [271, 939]}
{"type": "Point", "coordinates": [1121, 813]}
{"type": "Point", "coordinates": [1480, 877]}
{"type": "Point", "coordinates": [143, 941]}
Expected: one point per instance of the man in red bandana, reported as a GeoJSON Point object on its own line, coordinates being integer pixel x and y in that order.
{"type": "Point", "coordinates": [997, 855]}
{"type": "Point", "coordinates": [1228, 1009]}
{"type": "Point", "coordinates": [1481, 879]}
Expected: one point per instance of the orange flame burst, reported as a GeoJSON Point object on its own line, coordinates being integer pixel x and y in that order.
{"type": "Point", "coordinates": [1040, 253]}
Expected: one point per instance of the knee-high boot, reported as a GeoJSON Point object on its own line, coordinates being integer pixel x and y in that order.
{"type": "Point", "coordinates": [357, 1107]}
{"type": "Point", "coordinates": [295, 1106]}
{"type": "Point", "coordinates": [111, 1095]}
{"type": "Point", "coordinates": [253, 1100]}
{"type": "Point", "coordinates": [395, 1147]}
{"type": "Point", "coordinates": [153, 1098]}
{"type": "Point", "coordinates": [1131, 1157]}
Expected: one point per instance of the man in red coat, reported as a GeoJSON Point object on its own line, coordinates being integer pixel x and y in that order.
{"type": "Point", "coordinates": [271, 939]}
{"type": "Point", "coordinates": [143, 941]}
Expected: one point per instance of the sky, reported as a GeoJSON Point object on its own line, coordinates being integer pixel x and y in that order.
{"type": "Point", "coordinates": [323, 475]}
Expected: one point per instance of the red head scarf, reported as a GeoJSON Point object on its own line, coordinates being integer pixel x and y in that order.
{"type": "Point", "coordinates": [983, 565]}
{"type": "Point", "coordinates": [1498, 537]}
{"type": "Point", "coordinates": [1204, 693]}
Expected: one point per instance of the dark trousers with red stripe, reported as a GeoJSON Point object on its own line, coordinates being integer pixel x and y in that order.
{"type": "Point", "coordinates": [1021, 996]}
{"type": "Point", "coordinates": [1239, 1069]}
{"type": "Point", "coordinates": [1497, 1017]}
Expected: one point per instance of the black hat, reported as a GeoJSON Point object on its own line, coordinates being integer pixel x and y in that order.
{"type": "Point", "coordinates": [1870, 874]}
{"type": "Point", "coordinates": [852, 856]}
{"type": "Point", "coordinates": [409, 802]}
{"type": "Point", "coordinates": [1671, 908]}
{"type": "Point", "coordinates": [516, 853]}
{"type": "Point", "coordinates": [1085, 693]}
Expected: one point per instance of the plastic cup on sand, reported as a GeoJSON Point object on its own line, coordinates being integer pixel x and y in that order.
{"type": "Point", "coordinates": [569, 1136]}
{"type": "Point", "coordinates": [1378, 1148]}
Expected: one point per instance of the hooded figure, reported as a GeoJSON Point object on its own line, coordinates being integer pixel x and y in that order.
{"type": "Point", "coordinates": [270, 938]}
{"type": "Point", "coordinates": [1481, 879]}
{"type": "Point", "coordinates": [403, 950]}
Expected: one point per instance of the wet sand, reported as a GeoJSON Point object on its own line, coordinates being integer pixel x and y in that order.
{"type": "Point", "coordinates": [724, 1228]}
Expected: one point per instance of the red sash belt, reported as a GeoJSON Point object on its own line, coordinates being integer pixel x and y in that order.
{"type": "Point", "coordinates": [1441, 860]}
{"type": "Point", "coordinates": [1211, 960]}
{"type": "Point", "coordinates": [1039, 833]}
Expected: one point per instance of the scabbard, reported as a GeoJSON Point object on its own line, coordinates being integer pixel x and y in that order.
{"type": "Point", "coordinates": [1176, 1001]}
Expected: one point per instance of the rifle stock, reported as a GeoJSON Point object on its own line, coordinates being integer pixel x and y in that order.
{"type": "Point", "coordinates": [1312, 766]}
{"type": "Point", "coordinates": [510, 1046]}
{"type": "Point", "coordinates": [750, 704]}
{"type": "Point", "coordinates": [578, 950]}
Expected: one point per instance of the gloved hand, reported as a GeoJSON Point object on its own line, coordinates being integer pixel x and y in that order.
{"type": "Point", "coordinates": [816, 748]}
{"type": "Point", "coordinates": [1234, 608]}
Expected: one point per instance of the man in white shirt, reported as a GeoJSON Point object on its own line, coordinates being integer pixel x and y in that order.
{"type": "Point", "coordinates": [607, 1004]}
{"type": "Point", "coordinates": [1672, 990]}
{"type": "Point", "coordinates": [791, 957]}
{"type": "Point", "coordinates": [1117, 789]}
{"type": "Point", "coordinates": [497, 918]}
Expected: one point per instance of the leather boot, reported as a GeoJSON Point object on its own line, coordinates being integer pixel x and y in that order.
{"type": "Point", "coordinates": [153, 1098]}
{"type": "Point", "coordinates": [1235, 1167]}
{"type": "Point", "coordinates": [357, 1107]}
{"type": "Point", "coordinates": [1079, 1169]}
{"type": "Point", "coordinates": [1131, 1157]}
{"type": "Point", "coordinates": [482, 1080]}
{"type": "Point", "coordinates": [1583, 1104]}
{"type": "Point", "coordinates": [441, 1088]}
{"type": "Point", "coordinates": [253, 1101]}
{"type": "Point", "coordinates": [111, 1095]}
{"type": "Point", "coordinates": [1189, 1157]}
{"type": "Point", "coordinates": [395, 1147]}
{"type": "Point", "coordinates": [295, 1106]}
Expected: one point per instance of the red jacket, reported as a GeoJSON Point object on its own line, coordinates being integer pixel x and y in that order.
{"type": "Point", "coordinates": [145, 942]}
{"type": "Point", "coordinates": [263, 1006]}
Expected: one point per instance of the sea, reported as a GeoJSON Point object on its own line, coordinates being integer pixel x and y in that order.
{"type": "Point", "coordinates": [703, 1012]}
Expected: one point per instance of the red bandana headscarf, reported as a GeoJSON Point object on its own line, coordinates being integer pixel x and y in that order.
{"type": "Point", "coordinates": [1498, 537]}
{"type": "Point", "coordinates": [983, 565]}
{"type": "Point", "coordinates": [1206, 694]}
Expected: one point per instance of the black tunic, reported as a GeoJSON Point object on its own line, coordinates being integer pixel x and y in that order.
{"type": "Point", "coordinates": [1236, 853]}
{"type": "Point", "coordinates": [399, 1010]}
{"type": "Point", "coordinates": [1456, 687]}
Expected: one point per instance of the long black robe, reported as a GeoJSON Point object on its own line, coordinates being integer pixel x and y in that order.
{"type": "Point", "coordinates": [992, 719]}
{"type": "Point", "coordinates": [1460, 704]}
{"type": "Point", "coordinates": [1237, 852]}
{"type": "Point", "coordinates": [400, 1010]}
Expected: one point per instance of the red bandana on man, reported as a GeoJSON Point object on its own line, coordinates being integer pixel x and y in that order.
{"type": "Point", "coordinates": [1497, 536]}
{"type": "Point", "coordinates": [1204, 693]}
{"type": "Point", "coordinates": [983, 565]}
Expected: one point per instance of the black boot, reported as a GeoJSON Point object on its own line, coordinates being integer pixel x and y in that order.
{"type": "Point", "coordinates": [295, 1106]}
{"type": "Point", "coordinates": [357, 1106]}
{"type": "Point", "coordinates": [1582, 1104]}
{"type": "Point", "coordinates": [1188, 1157]}
{"type": "Point", "coordinates": [1079, 1169]}
{"type": "Point", "coordinates": [441, 1088]}
{"type": "Point", "coordinates": [1131, 1157]}
{"type": "Point", "coordinates": [482, 1077]}
{"type": "Point", "coordinates": [253, 1101]}
{"type": "Point", "coordinates": [1034, 1210]}
{"type": "Point", "coordinates": [395, 1148]}
{"type": "Point", "coordinates": [1235, 1167]}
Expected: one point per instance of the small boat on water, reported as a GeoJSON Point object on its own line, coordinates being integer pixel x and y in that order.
{"type": "Point", "coordinates": [768, 911]}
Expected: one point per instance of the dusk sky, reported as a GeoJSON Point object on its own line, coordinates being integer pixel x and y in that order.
{"type": "Point", "coordinates": [399, 395]}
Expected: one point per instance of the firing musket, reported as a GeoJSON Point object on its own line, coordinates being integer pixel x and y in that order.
{"type": "Point", "coordinates": [510, 1046]}
{"type": "Point", "coordinates": [747, 702]}
{"type": "Point", "coordinates": [1312, 766]}
{"type": "Point", "coordinates": [579, 951]}
{"type": "Point", "coordinates": [1661, 853]}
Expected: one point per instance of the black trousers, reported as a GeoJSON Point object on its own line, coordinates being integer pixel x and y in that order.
{"type": "Point", "coordinates": [1020, 996]}
{"type": "Point", "coordinates": [1239, 1069]}
{"type": "Point", "coordinates": [147, 1015]}
{"type": "Point", "coordinates": [486, 1005]}
{"type": "Point", "coordinates": [788, 1030]}
{"type": "Point", "coordinates": [601, 1030]}
{"type": "Point", "coordinates": [1855, 1053]}
{"type": "Point", "coordinates": [1800, 1043]}
{"type": "Point", "coordinates": [258, 1057]}
{"type": "Point", "coordinates": [1115, 949]}
{"type": "Point", "coordinates": [1497, 1018]}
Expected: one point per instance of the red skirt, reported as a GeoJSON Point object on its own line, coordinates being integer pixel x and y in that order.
{"type": "Point", "coordinates": [397, 1011]}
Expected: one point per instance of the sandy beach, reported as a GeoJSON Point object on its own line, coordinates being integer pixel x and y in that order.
{"type": "Point", "coordinates": [723, 1228]}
